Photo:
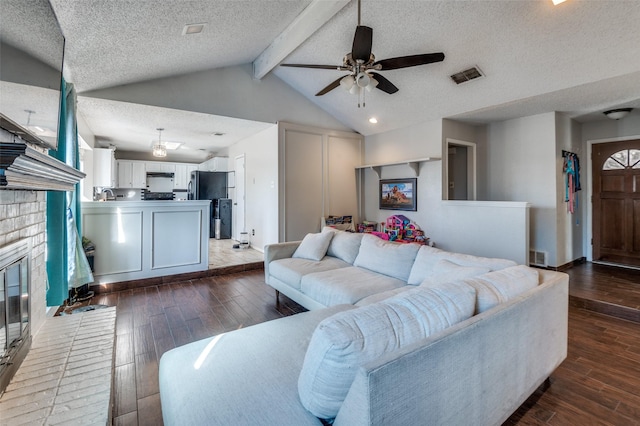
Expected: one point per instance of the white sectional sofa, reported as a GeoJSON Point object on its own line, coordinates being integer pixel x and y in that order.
{"type": "Point", "coordinates": [334, 267]}
{"type": "Point", "coordinates": [403, 335]}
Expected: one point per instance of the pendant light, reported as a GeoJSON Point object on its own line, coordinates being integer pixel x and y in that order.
{"type": "Point", "coordinates": [159, 150]}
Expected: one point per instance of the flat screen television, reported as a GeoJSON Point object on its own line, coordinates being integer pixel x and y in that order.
{"type": "Point", "coordinates": [31, 59]}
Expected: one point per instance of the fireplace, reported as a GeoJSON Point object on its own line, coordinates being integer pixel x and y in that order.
{"type": "Point", "coordinates": [15, 320]}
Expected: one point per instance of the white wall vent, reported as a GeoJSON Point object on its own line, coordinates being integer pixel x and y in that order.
{"type": "Point", "coordinates": [538, 258]}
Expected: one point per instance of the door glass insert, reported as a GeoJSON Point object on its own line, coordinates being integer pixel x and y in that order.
{"type": "Point", "coordinates": [627, 158]}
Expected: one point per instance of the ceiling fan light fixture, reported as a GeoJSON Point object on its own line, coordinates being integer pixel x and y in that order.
{"type": "Point", "coordinates": [618, 113]}
{"type": "Point", "coordinates": [347, 82]}
{"type": "Point", "coordinates": [373, 83]}
{"type": "Point", "coordinates": [363, 79]}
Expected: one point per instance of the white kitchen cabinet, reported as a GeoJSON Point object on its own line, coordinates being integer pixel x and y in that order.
{"type": "Point", "coordinates": [132, 174]}
{"type": "Point", "coordinates": [104, 168]}
{"type": "Point", "coordinates": [160, 166]}
{"type": "Point", "coordinates": [215, 164]}
{"type": "Point", "coordinates": [183, 175]}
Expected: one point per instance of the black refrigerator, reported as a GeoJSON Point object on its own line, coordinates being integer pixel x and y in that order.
{"type": "Point", "coordinates": [208, 186]}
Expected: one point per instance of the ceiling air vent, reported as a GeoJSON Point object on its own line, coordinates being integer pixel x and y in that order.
{"type": "Point", "coordinates": [466, 75]}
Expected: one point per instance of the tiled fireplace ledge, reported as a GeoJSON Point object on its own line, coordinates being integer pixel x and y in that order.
{"type": "Point", "coordinates": [67, 376]}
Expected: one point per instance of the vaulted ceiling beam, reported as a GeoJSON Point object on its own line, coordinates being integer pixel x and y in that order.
{"type": "Point", "coordinates": [308, 22]}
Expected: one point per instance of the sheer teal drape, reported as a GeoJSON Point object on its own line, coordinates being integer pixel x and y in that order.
{"type": "Point", "coordinates": [63, 208]}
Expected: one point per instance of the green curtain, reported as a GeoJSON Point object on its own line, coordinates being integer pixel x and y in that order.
{"type": "Point", "coordinates": [63, 208]}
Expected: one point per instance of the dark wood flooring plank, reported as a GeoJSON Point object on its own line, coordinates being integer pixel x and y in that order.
{"type": "Point", "coordinates": [125, 389]}
{"type": "Point", "coordinates": [125, 352]}
{"type": "Point", "coordinates": [129, 419]}
{"type": "Point", "coordinates": [146, 375]}
{"type": "Point", "coordinates": [148, 413]}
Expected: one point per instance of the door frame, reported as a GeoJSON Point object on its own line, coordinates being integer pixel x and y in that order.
{"type": "Point", "coordinates": [239, 203]}
{"type": "Point", "coordinates": [589, 210]}
{"type": "Point", "coordinates": [472, 168]}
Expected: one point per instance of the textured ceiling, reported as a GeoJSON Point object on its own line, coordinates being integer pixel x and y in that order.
{"type": "Point", "coordinates": [581, 57]}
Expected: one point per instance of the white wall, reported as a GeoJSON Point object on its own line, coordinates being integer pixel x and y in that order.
{"type": "Point", "coordinates": [86, 159]}
{"type": "Point", "coordinates": [230, 92]}
{"type": "Point", "coordinates": [521, 166]}
{"type": "Point", "coordinates": [481, 228]}
{"type": "Point", "coordinates": [570, 225]}
{"type": "Point", "coordinates": [261, 184]}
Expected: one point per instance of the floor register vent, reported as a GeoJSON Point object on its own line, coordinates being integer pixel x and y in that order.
{"type": "Point", "coordinates": [538, 258]}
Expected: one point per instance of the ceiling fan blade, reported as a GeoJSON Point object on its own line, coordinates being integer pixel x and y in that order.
{"type": "Point", "coordinates": [319, 67]}
{"type": "Point", "coordinates": [330, 87]}
{"type": "Point", "coordinates": [410, 61]}
{"type": "Point", "coordinates": [361, 49]}
{"type": "Point", "coordinates": [384, 84]}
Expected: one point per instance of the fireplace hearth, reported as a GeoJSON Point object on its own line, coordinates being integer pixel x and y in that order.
{"type": "Point", "coordinates": [15, 330]}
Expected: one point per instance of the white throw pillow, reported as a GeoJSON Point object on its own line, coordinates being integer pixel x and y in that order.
{"type": "Point", "coordinates": [501, 286]}
{"type": "Point", "coordinates": [344, 245]}
{"type": "Point", "coordinates": [391, 259]}
{"type": "Point", "coordinates": [445, 271]}
{"type": "Point", "coordinates": [314, 246]}
{"type": "Point", "coordinates": [347, 340]}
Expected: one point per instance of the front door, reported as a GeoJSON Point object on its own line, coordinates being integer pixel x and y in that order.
{"type": "Point", "coordinates": [616, 202]}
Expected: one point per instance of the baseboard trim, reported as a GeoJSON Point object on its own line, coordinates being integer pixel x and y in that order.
{"type": "Point", "coordinates": [168, 279]}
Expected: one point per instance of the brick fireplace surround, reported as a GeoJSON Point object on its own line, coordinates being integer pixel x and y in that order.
{"type": "Point", "coordinates": [23, 215]}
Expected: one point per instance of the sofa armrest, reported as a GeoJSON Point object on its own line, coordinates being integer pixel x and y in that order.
{"type": "Point", "coordinates": [278, 251]}
{"type": "Point", "coordinates": [478, 371]}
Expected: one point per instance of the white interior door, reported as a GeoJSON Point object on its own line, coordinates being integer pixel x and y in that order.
{"type": "Point", "coordinates": [238, 202]}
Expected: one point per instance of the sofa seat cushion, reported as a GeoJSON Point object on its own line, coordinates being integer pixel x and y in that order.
{"type": "Point", "coordinates": [344, 245]}
{"type": "Point", "coordinates": [348, 340]}
{"type": "Point", "coordinates": [346, 285]}
{"type": "Point", "coordinates": [245, 377]}
{"type": "Point", "coordinates": [291, 270]}
{"type": "Point", "coordinates": [428, 257]}
{"type": "Point", "coordinates": [313, 246]}
{"type": "Point", "coordinates": [501, 286]}
{"type": "Point", "coordinates": [391, 259]}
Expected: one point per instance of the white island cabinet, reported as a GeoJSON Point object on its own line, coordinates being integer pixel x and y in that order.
{"type": "Point", "coordinates": [144, 239]}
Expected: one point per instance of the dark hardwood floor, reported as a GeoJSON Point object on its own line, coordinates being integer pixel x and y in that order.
{"type": "Point", "coordinates": [598, 384]}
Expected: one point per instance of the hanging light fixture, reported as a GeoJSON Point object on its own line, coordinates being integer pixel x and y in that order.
{"type": "Point", "coordinates": [355, 84]}
{"type": "Point", "coordinates": [159, 150]}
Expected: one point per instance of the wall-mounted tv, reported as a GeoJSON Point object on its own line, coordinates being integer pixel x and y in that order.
{"type": "Point", "coordinates": [31, 58]}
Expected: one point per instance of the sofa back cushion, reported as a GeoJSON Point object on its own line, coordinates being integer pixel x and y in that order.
{"type": "Point", "coordinates": [391, 259]}
{"type": "Point", "coordinates": [444, 271]}
{"type": "Point", "coordinates": [344, 245]}
{"type": "Point", "coordinates": [345, 341]}
{"type": "Point", "coordinates": [501, 286]}
{"type": "Point", "coordinates": [428, 257]}
{"type": "Point", "coordinates": [313, 246]}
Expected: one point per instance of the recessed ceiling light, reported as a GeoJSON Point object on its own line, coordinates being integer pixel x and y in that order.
{"type": "Point", "coordinates": [373, 120]}
{"type": "Point", "coordinates": [193, 28]}
{"type": "Point", "coordinates": [557, 2]}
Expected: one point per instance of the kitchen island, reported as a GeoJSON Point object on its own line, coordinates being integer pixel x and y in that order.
{"type": "Point", "coordinates": [145, 239]}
